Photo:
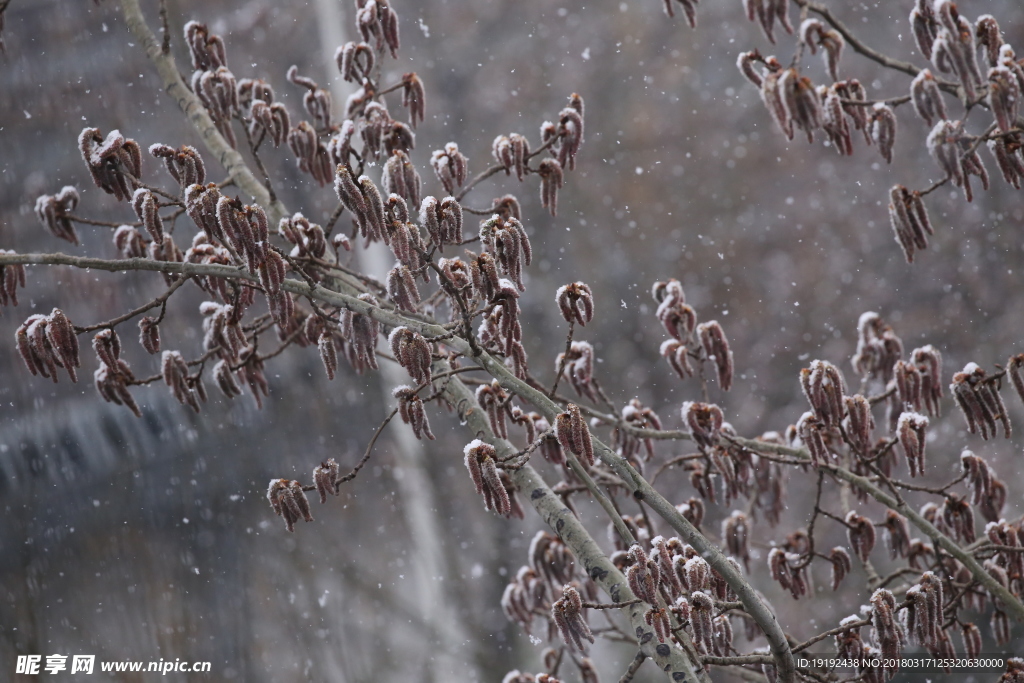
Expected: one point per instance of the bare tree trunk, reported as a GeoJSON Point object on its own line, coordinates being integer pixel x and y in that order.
{"type": "Point", "coordinates": [447, 655]}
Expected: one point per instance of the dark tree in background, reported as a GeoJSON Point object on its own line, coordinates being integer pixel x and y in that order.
{"type": "Point", "coordinates": [715, 318]}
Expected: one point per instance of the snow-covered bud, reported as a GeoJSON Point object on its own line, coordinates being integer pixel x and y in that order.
{"type": "Point", "coordinates": [570, 136]}
{"type": "Point", "coordinates": [745, 63]}
{"type": "Point", "coordinates": [658, 619]}
{"type": "Point", "coordinates": [859, 423]}
{"type": "Point", "coordinates": [206, 49]}
{"type": "Point", "coordinates": [897, 534]}
{"type": "Point", "coordinates": [676, 316]}
{"type": "Point", "coordinates": [677, 355]}
{"type": "Point", "coordinates": [924, 615]}
{"type": "Point", "coordinates": [972, 642]}
{"type": "Point", "coordinates": [813, 34]}
{"type": "Point", "coordinates": [316, 100]}
{"type": "Point", "coordinates": [979, 476]}
{"type": "Point", "coordinates": [144, 204]}
{"type": "Point", "coordinates": [506, 240]}
{"type": "Point", "coordinates": [833, 120]}
{"type": "Point", "coordinates": [736, 533]}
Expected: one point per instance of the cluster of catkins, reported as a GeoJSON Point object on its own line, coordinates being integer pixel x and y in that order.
{"type": "Point", "coordinates": [288, 497]}
{"type": "Point", "coordinates": [563, 139]}
{"type": "Point", "coordinates": [493, 484]}
{"type": "Point", "coordinates": [114, 375]}
{"type": "Point", "coordinates": [952, 45]}
{"type": "Point", "coordinates": [48, 342]}
{"type": "Point", "coordinates": [677, 583]}
{"type": "Point", "coordinates": [551, 571]}
{"type": "Point", "coordinates": [680, 320]}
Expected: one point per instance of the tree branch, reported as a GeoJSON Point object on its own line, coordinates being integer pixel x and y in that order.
{"type": "Point", "coordinates": [672, 660]}
{"type": "Point", "coordinates": [186, 100]}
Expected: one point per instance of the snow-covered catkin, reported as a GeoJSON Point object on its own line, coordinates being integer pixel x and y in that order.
{"type": "Point", "coordinates": [861, 533]}
{"type": "Point", "coordinates": [289, 501]}
{"type": "Point", "coordinates": [401, 288]}
{"type": "Point", "coordinates": [576, 302]}
{"type": "Point", "coordinates": [325, 478]}
{"type": "Point", "coordinates": [883, 129]}
{"type": "Point", "coordinates": [574, 434]}
{"type": "Point", "coordinates": [959, 518]}
{"type": "Point", "coordinates": [980, 401]}
{"type": "Point", "coordinates": [54, 212]}
{"type": "Point", "coordinates": [927, 98]}
{"type": "Point", "coordinates": [567, 613]}
{"type": "Point", "coordinates": [12, 276]}
{"type": "Point", "coordinates": [550, 172]}
{"type": "Point", "coordinates": [883, 619]}
{"type": "Point", "coordinates": [451, 166]}
{"type": "Point", "coordinates": [704, 421]}
{"type": "Point", "coordinates": [412, 411]}
{"type": "Point", "coordinates": [481, 461]}
{"type": "Point", "coordinates": [225, 379]}
{"type": "Point", "coordinates": [412, 352]}
{"type": "Point", "coordinates": [643, 576]}
{"type": "Point", "coordinates": [144, 205]}
{"type": "Point", "coordinates": [716, 347]}
{"type": "Point", "coordinates": [910, 430]}
{"type": "Point", "coordinates": [841, 565]}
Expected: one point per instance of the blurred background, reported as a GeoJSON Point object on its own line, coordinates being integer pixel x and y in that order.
{"type": "Point", "coordinates": [142, 539]}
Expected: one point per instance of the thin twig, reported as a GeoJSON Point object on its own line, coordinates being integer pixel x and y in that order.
{"type": "Point", "coordinates": [159, 301]}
